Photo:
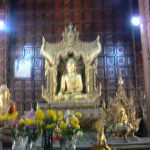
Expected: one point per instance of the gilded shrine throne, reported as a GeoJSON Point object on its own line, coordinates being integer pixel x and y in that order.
{"type": "Point", "coordinates": [70, 74]}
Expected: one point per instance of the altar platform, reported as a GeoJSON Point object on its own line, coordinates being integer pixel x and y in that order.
{"type": "Point", "coordinates": [86, 142]}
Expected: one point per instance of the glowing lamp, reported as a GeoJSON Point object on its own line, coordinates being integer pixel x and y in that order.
{"type": "Point", "coordinates": [136, 20]}
{"type": "Point", "coordinates": [2, 25]}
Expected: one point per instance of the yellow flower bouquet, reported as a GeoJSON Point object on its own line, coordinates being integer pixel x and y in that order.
{"type": "Point", "coordinates": [49, 126]}
{"type": "Point", "coordinates": [10, 123]}
{"type": "Point", "coordinates": [29, 125]}
{"type": "Point", "coordinates": [69, 127]}
{"type": "Point", "coordinates": [59, 126]}
{"type": "Point", "coordinates": [54, 125]}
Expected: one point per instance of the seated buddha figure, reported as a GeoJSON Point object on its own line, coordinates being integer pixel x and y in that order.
{"type": "Point", "coordinates": [71, 84]}
{"type": "Point", "coordinates": [123, 127]}
{"type": "Point", "coordinates": [122, 118]}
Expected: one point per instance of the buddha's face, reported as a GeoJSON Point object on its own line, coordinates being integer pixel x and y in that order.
{"type": "Point", "coordinates": [122, 112]}
{"type": "Point", "coordinates": [70, 66]}
{"type": "Point", "coordinates": [5, 96]}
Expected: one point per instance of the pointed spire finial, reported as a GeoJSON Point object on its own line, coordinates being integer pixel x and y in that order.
{"type": "Point", "coordinates": [43, 40]}
{"type": "Point", "coordinates": [120, 81]}
{"type": "Point", "coordinates": [37, 106]}
{"type": "Point", "coordinates": [70, 26]}
{"type": "Point", "coordinates": [98, 38]}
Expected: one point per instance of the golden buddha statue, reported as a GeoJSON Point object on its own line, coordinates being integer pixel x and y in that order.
{"type": "Point", "coordinates": [6, 105]}
{"type": "Point", "coordinates": [71, 84]}
{"type": "Point", "coordinates": [101, 138]}
{"type": "Point", "coordinates": [123, 126]}
{"type": "Point", "coordinates": [122, 117]}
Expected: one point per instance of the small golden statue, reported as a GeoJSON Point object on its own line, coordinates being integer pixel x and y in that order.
{"type": "Point", "coordinates": [121, 118]}
{"type": "Point", "coordinates": [6, 105]}
{"type": "Point", "coordinates": [71, 84]}
{"type": "Point", "coordinates": [123, 127]}
{"type": "Point", "coordinates": [101, 139]}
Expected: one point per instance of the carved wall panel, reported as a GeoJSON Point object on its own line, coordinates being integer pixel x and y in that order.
{"type": "Point", "coordinates": [19, 96]}
{"type": "Point", "coordinates": [37, 18]}
{"type": "Point", "coordinates": [2, 62]}
{"type": "Point", "coordinates": [28, 85]}
{"type": "Point", "coordinates": [18, 85]}
{"type": "Point", "coordinates": [28, 95]}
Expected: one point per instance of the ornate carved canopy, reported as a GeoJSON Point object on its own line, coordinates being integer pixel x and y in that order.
{"type": "Point", "coordinates": [70, 44]}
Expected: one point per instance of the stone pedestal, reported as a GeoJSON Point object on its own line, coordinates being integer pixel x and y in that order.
{"type": "Point", "coordinates": [89, 110]}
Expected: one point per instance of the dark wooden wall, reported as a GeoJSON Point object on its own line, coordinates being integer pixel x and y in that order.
{"type": "Point", "coordinates": [32, 19]}
{"type": "Point", "coordinates": [3, 41]}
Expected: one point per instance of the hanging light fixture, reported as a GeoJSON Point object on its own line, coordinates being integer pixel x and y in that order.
{"type": "Point", "coordinates": [2, 25]}
{"type": "Point", "coordinates": [135, 20]}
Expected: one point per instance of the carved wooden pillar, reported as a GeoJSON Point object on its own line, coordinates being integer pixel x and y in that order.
{"type": "Point", "coordinates": [3, 42]}
{"type": "Point", "coordinates": [145, 38]}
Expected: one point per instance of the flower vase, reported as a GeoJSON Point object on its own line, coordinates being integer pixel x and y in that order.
{"type": "Point", "coordinates": [20, 143]}
{"type": "Point", "coordinates": [14, 145]}
{"type": "Point", "coordinates": [62, 144]}
{"type": "Point", "coordinates": [47, 140]}
{"type": "Point", "coordinates": [71, 145]}
{"type": "Point", "coordinates": [23, 143]}
{"type": "Point", "coordinates": [32, 145]}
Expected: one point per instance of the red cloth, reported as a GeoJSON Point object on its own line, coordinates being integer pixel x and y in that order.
{"type": "Point", "coordinates": [12, 108]}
